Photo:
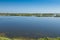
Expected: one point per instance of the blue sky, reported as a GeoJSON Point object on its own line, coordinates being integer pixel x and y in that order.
{"type": "Point", "coordinates": [30, 6]}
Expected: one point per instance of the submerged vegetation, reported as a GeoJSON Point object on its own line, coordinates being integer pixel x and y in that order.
{"type": "Point", "coordinates": [21, 38]}
{"type": "Point", "coordinates": [4, 37]}
{"type": "Point", "coordinates": [31, 14]}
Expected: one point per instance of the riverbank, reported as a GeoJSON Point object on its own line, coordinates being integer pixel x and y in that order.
{"type": "Point", "coordinates": [21, 38]}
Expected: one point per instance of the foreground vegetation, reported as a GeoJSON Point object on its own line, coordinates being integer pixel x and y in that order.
{"type": "Point", "coordinates": [21, 38]}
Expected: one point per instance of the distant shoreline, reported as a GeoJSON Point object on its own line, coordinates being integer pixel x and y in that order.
{"type": "Point", "coordinates": [32, 14]}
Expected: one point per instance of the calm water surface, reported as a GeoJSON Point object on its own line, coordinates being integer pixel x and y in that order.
{"type": "Point", "coordinates": [21, 25]}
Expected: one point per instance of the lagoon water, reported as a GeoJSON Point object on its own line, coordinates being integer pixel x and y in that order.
{"type": "Point", "coordinates": [30, 26]}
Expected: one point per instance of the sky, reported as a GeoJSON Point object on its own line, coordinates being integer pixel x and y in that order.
{"type": "Point", "coordinates": [29, 6]}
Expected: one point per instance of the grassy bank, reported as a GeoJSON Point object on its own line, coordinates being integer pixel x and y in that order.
{"type": "Point", "coordinates": [21, 38]}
